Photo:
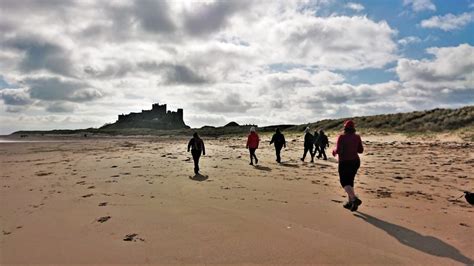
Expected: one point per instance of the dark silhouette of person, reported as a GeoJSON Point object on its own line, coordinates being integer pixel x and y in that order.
{"type": "Point", "coordinates": [322, 143]}
{"type": "Point", "coordinates": [348, 147]}
{"type": "Point", "coordinates": [252, 144]}
{"type": "Point", "coordinates": [278, 139]}
{"type": "Point", "coordinates": [308, 145]}
{"type": "Point", "coordinates": [197, 147]}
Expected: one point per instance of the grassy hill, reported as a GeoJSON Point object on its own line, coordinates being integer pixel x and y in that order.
{"type": "Point", "coordinates": [436, 120]}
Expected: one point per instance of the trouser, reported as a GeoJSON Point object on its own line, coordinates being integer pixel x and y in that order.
{"type": "Point", "coordinates": [306, 149]}
{"type": "Point", "coordinates": [322, 152]}
{"type": "Point", "coordinates": [347, 172]}
{"type": "Point", "coordinates": [196, 155]}
{"type": "Point", "coordinates": [277, 151]}
{"type": "Point", "coordinates": [316, 149]}
{"type": "Point", "coordinates": [252, 155]}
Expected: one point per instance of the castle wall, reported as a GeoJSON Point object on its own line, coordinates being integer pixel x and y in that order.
{"type": "Point", "coordinates": [157, 116]}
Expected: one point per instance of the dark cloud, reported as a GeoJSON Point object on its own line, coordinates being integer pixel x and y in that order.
{"type": "Point", "coordinates": [211, 17]}
{"type": "Point", "coordinates": [55, 89]}
{"type": "Point", "coordinates": [15, 97]}
{"type": "Point", "coordinates": [231, 103]}
{"type": "Point", "coordinates": [154, 16]}
{"type": "Point", "coordinates": [173, 74]}
{"type": "Point", "coordinates": [39, 54]}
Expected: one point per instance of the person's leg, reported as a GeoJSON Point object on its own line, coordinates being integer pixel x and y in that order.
{"type": "Point", "coordinates": [319, 152]}
{"type": "Point", "coordinates": [304, 153]}
{"type": "Point", "coordinates": [324, 153]}
{"type": "Point", "coordinates": [311, 153]}
{"type": "Point", "coordinates": [251, 155]}
{"type": "Point", "coordinates": [196, 156]}
{"type": "Point", "coordinates": [277, 151]}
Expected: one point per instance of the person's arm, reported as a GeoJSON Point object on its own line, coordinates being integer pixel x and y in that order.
{"type": "Point", "coordinates": [203, 148]}
{"type": "Point", "coordinates": [338, 149]}
{"type": "Point", "coordinates": [360, 148]}
{"type": "Point", "coordinates": [190, 143]}
{"type": "Point", "coordinates": [273, 139]}
{"type": "Point", "coordinates": [248, 140]}
{"type": "Point", "coordinates": [284, 141]}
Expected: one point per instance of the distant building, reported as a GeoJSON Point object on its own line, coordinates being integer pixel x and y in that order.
{"type": "Point", "coordinates": [156, 118]}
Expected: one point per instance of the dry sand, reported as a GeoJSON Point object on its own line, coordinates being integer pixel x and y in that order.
{"type": "Point", "coordinates": [76, 201]}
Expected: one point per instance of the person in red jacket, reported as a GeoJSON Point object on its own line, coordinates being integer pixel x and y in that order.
{"type": "Point", "coordinates": [252, 145]}
{"type": "Point", "coordinates": [348, 145]}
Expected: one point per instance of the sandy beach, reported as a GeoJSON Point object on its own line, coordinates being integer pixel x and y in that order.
{"type": "Point", "coordinates": [136, 200]}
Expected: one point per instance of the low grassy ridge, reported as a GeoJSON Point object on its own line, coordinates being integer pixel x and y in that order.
{"type": "Point", "coordinates": [459, 120]}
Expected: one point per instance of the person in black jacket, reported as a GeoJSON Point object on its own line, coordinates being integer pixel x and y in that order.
{"type": "Point", "coordinates": [197, 147]}
{"type": "Point", "coordinates": [278, 140]}
{"type": "Point", "coordinates": [322, 142]}
{"type": "Point", "coordinates": [308, 145]}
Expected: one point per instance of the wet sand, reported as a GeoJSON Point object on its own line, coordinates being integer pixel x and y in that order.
{"type": "Point", "coordinates": [110, 201]}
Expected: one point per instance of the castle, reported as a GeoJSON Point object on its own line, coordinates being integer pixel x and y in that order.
{"type": "Point", "coordinates": [157, 118]}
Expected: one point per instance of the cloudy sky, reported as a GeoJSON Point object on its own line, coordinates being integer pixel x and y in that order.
{"type": "Point", "coordinates": [77, 64]}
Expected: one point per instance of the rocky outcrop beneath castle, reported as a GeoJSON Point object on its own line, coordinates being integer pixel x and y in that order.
{"type": "Point", "coordinates": [156, 118]}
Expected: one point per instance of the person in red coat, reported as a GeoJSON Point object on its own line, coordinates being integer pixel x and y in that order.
{"type": "Point", "coordinates": [348, 147]}
{"type": "Point", "coordinates": [252, 144]}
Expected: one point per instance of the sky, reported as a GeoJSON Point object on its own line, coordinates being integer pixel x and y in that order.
{"type": "Point", "coordinates": [78, 64]}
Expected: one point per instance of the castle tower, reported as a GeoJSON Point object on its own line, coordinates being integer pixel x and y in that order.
{"type": "Point", "coordinates": [180, 114]}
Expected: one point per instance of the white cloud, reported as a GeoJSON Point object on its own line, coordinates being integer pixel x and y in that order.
{"type": "Point", "coordinates": [265, 62]}
{"type": "Point", "coordinates": [420, 5]}
{"type": "Point", "coordinates": [448, 22]}
{"type": "Point", "coordinates": [355, 6]}
{"type": "Point", "coordinates": [408, 40]}
{"type": "Point", "coordinates": [451, 69]}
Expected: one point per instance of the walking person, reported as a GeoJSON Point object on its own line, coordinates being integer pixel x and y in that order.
{"type": "Point", "coordinates": [308, 145]}
{"type": "Point", "coordinates": [322, 143]}
{"type": "Point", "coordinates": [348, 145]}
{"type": "Point", "coordinates": [197, 147]}
{"type": "Point", "coordinates": [252, 144]}
{"type": "Point", "coordinates": [278, 139]}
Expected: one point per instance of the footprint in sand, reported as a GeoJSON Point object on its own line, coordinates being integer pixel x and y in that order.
{"type": "Point", "coordinates": [103, 204]}
{"type": "Point", "coordinates": [132, 237]}
{"type": "Point", "coordinates": [103, 219]}
{"type": "Point", "coordinates": [88, 195]}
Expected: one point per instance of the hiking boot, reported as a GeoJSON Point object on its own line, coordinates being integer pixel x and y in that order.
{"type": "Point", "coordinates": [256, 161]}
{"type": "Point", "coordinates": [302, 159]}
{"type": "Point", "coordinates": [251, 163]}
{"type": "Point", "coordinates": [355, 204]}
{"type": "Point", "coordinates": [347, 205]}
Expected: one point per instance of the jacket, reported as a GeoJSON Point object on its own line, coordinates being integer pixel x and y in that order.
{"type": "Point", "coordinates": [253, 140]}
{"type": "Point", "coordinates": [278, 139]}
{"type": "Point", "coordinates": [197, 145]}
{"type": "Point", "coordinates": [348, 146]}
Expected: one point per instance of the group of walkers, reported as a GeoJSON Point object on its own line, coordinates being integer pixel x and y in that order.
{"type": "Point", "coordinates": [319, 141]}
{"type": "Point", "coordinates": [348, 146]}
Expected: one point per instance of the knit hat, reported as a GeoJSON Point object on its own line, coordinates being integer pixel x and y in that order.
{"type": "Point", "coordinates": [252, 129]}
{"type": "Point", "coordinates": [349, 124]}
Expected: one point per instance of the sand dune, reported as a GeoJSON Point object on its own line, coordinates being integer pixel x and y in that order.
{"type": "Point", "coordinates": [137, 201]}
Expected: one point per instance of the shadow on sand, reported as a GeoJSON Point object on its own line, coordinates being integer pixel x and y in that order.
{"type": "Point", "coordinates": [263, 168]}
{"type": "Point", "coordinates": [289, 165]}
{"type": "Point", "coordinates": [199, 177]}
{"type": "Point", "coordinates": [428, 244]}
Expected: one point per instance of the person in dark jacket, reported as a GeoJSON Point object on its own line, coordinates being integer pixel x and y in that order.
{"type": "Point", "coordinates": [252, 144]}
{"type": "Point", "coordinates": [322, 143]}
{"type": "Point", "coordinates": [278, 140]}
{"type": "Point", "coordinates": [348, 145]}
{"type": "Point", "coordinates": [308, 145]}
{"type": "Point", "coordinates": [197, 147]}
